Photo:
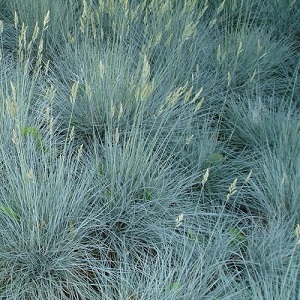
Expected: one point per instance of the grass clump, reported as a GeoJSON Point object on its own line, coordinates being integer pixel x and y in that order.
{"type": "Point", "coordinates": [149, 150]}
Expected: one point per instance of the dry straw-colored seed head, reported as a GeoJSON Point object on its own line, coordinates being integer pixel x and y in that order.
{"type": "Point", "coordinates": [15, 138]}
{"type": "Point", "coordinates": [80, 151]}
{"type": "Point", "coordinates": [74, 90]}
{"type": "Point", "coordinates": [205, 177]}
{"type": "Point", "coordinates": [297, 232]}
{"type": "Point", "coordinates": [179, 220]}
{"type": "Point", "coordinates": [232, 189]}
{"type": "Point", "coordinates": [35, 32]}
{"type": "Point", "coordinates": [120, 111]}
{"type": "Point", "coordinates": [189, 139]}
{"type": "Point", "coordinates": [46, 20]}
{"type": "Point", "coordinates": [101, 68]}
{"type": "Point", "coordinates": [249, 176]}
{"type": "Point", "coordinates": [72, 133]}
{"type": "Point", "coordinates": [117, 135]}
{"type": "Point", "coordinates": [12, 108]}
{"type": "Point", "coordinates": [196, 96]}
{"type": "Point", "coordinates": [1, 26]}
{"type": "Point", "coordinates": [30, 174]}
{"type": "Point", "coordinates": [16, 20]}
{"type": "Point", "coordinates": [146, 69]}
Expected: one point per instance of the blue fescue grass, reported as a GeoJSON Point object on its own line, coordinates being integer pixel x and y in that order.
{"type": "Point", "coordinates": [149, 150]}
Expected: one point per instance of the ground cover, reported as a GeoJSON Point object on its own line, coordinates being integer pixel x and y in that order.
{"type": "Point", "coordinates": [149, 149]}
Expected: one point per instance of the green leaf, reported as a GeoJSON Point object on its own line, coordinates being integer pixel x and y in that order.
{"type": "Point", "coordinates": [100, 169]}
{"type": "Point", "coordinates": [71, 229]}
{"type": "Point", "coordinates": [9, 212]}
{"type": "Point", "coordinates": [215, 158]}
{"type": "Point", "coordinates": [33, 132]}
{"type": "Point", "coordinates": [74, 122]}
{"type": "Point", "coordinates": [176, 286]}
{"type": "Point", "coordinates": [238, 238]}
{"type": "Point", "coordinates": [192, 235]}
{"type": "Point", "coordinates": [147, 195]}
{"type": "Point", "coordinates": [36, 135]}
